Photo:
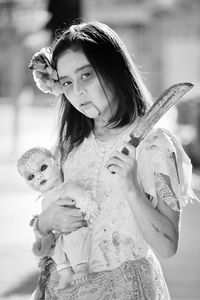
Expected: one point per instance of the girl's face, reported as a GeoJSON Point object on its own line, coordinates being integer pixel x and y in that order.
{"type": "Point", "coordinates": [82, 87]}
{"type": "Point", "coordinates": [41, 172]}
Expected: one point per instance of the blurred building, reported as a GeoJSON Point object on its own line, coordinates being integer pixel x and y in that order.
{"type": "Point", "coordinates": [25, 27]}
{"type": "Point", "coordinates": [162, 35]}
{"type": "Point", "coordinates": [189, 128]}
{"type": "Point", "coordinates": [163, 38]}
{"type": "Point", "coordinates": [62, 14]}
{"type": "Point", "coordinates": [18, 19]}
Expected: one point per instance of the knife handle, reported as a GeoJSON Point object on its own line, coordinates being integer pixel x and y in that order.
{"type": "Point", "coordinates": [134, 141]}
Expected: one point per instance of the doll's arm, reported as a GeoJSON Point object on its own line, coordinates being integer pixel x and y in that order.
{"type": "Point", "coordinates": [45, 245]}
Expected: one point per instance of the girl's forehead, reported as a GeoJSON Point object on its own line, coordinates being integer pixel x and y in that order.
{"type": "Point", "coordinates": [71, 61]}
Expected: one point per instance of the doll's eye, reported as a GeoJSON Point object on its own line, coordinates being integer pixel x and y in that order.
{"type": "Point", "coordinates": [30, 177]}
{"type": "Point", "coordinates": [43, 167]}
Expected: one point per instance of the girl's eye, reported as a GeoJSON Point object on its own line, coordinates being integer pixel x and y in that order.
{"type": "Point", "coordinates": [43, 167]}
{"type": "Point", "coordinates": [67, 83]}
{"type": "Point", "coordinates": [30, 177]}
{"type": "Point", "coordinates": [86, 75]}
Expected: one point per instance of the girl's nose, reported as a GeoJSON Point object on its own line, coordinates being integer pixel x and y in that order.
{"type": "Point", "coordinates": [79, 89]}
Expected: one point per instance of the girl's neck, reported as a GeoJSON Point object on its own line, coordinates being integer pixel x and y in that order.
{"type": "Point", "coordinates": [104, 133]}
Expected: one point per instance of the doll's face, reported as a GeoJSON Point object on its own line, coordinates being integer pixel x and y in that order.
{"type": "Point", "coordinates": [41, 172]}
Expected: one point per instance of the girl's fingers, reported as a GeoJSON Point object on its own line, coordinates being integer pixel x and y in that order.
{"type": "Point", "coordinates": [131, 149]}
{"type": "Point", "coordinates": [120, 162]}
{"type": "Point", "coordinates": [78, 224]}
{"type": "Point", "coordinates": [115, 161]}
{"type": "Point", "coordinates": [65, 202]}
{"type": "Point", "coordinates": [120, 159]}
{"type": "Point", "coordinates": [120, 155]}
{"type": "Point", "coordinates": [128, 149]}
{"type": "Point", "coordinates": [68, 212]}
{"type": "Point", "coordinates": [76, 214]}
{"type": "Point", "coordinates": [114, 169]}
{"type": "Point", "coordinates": [124, 158]}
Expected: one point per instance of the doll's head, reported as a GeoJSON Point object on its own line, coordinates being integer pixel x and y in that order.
{"type": "Point", "coordinates": [39, 168]}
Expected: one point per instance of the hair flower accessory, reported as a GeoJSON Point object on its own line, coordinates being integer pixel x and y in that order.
{"type": "Point", "coordinates": [44, 75]}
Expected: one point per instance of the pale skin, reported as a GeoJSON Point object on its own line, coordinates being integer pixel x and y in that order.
{"type": "Point", "coordinates": [160, 226]}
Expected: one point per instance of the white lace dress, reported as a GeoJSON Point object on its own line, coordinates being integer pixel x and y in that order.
{"type": "Point", "coordinates": [122, 265]}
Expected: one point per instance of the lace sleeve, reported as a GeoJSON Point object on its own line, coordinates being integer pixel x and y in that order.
{"type": "Point", "coordinates": [165, 170]}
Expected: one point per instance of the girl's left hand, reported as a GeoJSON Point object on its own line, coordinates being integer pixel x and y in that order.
{"type": "Point", "coordinates": [124, 165]}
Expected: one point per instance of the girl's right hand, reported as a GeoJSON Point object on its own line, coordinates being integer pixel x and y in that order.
{"type": "Point", "coordinates": [61, 216]}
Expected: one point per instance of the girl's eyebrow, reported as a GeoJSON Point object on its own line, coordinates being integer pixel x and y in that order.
{"type": "Point", "coordinates": [76, 71]}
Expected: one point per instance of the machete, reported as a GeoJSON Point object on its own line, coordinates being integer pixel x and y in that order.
{"type": "Point", "coordinates": [165, 101]}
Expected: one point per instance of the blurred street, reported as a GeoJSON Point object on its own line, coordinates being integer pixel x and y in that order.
{"type": "Point", "coordinates": [19, 275]}
{"type": "Point", "coordinates": [19, 266]}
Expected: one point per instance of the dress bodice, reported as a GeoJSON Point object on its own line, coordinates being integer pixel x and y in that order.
{"type": "Point", "coordinates": [116, 236]}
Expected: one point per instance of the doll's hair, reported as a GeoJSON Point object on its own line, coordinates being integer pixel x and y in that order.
{"type": "Point", "coordinates": [115, 69]}
{"type": "Point", "coordinates": [27, 155]}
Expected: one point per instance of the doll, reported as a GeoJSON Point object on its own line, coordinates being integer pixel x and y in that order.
{"type": "Point", "coordinates": [69, 251]}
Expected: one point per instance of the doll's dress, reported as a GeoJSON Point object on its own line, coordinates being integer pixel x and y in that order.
{"type": "Point", "coordinates": [122, 265]}
{"type": "Point", "coordinates": [70, 249]}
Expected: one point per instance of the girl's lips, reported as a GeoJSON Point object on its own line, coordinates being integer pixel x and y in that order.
{"type": "Point", "coordinates": [86, 106]}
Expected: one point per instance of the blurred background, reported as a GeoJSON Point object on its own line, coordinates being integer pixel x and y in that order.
{"type": "Point", "coordinates": [163, 37]}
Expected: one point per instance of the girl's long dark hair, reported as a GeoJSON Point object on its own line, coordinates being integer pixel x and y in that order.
{"type": "Point", "coordinates": [115, 70]}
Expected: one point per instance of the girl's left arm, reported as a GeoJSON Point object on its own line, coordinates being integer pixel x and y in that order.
{"type": "Point", "coordinates": [159, 225]}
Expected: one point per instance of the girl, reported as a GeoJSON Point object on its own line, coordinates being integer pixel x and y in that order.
{"type": "Point", "coordinates": [140, 195]}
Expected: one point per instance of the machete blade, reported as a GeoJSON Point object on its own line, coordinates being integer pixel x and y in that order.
{"type": "Point", "coordinates": [166, 100]}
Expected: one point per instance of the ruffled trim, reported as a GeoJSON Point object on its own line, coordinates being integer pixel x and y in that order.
{"type": "Point", "coordinates": [160, 156]}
